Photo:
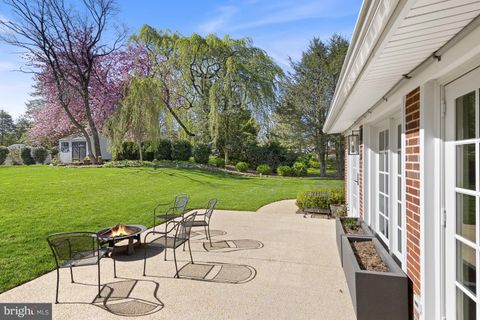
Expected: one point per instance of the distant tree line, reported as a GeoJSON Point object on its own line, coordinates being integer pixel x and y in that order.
{"type": "Point", "coordinates": [223, 93]}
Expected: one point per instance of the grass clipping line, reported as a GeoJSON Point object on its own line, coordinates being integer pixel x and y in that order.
{"type": "Point", "coordinates": [367, 256]}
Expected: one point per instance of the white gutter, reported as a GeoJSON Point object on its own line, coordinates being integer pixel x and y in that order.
{"type": "Point", "coordinates": [436, 56]}
{"type": "Point", "coordinates": [338, 101]}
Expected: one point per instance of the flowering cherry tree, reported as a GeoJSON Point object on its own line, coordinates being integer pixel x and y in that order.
{"type": "Point", "coordinates": [65, 46]}
{"type": "Point", "coordinates": [110, 77]}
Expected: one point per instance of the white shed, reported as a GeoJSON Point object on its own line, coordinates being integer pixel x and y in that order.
{"type": "Point", "coordinates": [75, 148]}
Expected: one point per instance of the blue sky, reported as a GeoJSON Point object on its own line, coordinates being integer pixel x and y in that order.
{"type": "Point", "coordinates": [282, 28]}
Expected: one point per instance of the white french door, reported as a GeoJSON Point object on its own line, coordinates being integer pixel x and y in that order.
{"type": "Point", "coordinates": [462, 195]}
{"type": "Point", "coordinates": [398, 217]}
{"type": "Point", "coordinates": [383, 179]}
{"type": "Point", "coordinates": [354, 185]}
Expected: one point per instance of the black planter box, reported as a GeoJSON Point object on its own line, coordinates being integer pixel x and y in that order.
{"type": "Point", "coordinates": [375, 295]}
{"type": "Point", "coordinates": [340, 234]}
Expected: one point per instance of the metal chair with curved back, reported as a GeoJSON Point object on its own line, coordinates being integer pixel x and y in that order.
{"type": "Point", "coordinates": [175, 209]}
{"type": "Point", "coordinates": [76, 249]}
{"type": "Point", "coordinates": [178, 235]}
{"type": "Point", "coordinates": [205, 221]}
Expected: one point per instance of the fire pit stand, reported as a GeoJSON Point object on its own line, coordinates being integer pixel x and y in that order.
{"type": "Point", "coordinates": [121, 232]}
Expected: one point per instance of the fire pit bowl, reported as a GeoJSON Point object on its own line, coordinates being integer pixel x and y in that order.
{"type": "Point", "coordinates": [121, 232]}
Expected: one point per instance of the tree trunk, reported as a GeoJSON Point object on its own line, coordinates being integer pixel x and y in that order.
{"type": "Point", "coordinates": [321, 152]}
{"type": "Point", "coordinates": [140, 152]}
{"type": "Point", "coordinates": [91, 124]}
{"type": "Point", "coordinates": [226, 155]}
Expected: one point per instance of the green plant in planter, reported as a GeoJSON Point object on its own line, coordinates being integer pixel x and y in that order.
{"type": "Point", "coordinates": [350, 223]}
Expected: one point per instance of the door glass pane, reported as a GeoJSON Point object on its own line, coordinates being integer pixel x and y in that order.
{"type": "Point", "coordinates": [399, 240]}
{"type": "Point", "coordinates": [465, 116]}
{"type": "Point", "coordinates": [466, 266]}
{"type": "Point", "coordinates": [381, 141]}
{"type": "Point", "coordinates": [466, 166]}
{"type": "Point", "coordinates": [466, 309]}
{"type": "Point", "coordinates": [399, 188]}
{"type": "Point", "coordinates": [466, 219]}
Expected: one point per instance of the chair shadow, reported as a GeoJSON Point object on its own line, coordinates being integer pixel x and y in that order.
{"type": "Point", "coordinates": [213, 233]}
{"type": "Point", "coordinates": [216, 272]}
{"type": "Point", "coordinates": [119, 299]}
{"type": "Point", "coordinates": [139, 253]}
{"type": "Point", "coordinates": [116, 298]}
{"type": "Point", "coordinates": [233, 245]}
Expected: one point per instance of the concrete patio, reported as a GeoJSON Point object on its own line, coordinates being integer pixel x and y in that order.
{"type": "Point", "coordinates": [269, 264]}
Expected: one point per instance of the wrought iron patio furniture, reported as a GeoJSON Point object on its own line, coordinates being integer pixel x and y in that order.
{"type": "Point", "coordinates": [76, 249]}
{"type": "Point", "coordinates": [174, 210]}
{"type": "Point", "coordinates": [205, 217]}
{"type": "Point", "coordinates": [177, 235]}
{"type": "Point", "coordinates": [317, 209]}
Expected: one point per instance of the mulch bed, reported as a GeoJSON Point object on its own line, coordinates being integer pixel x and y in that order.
{"type": "Point", "coordinates": [367, 256]}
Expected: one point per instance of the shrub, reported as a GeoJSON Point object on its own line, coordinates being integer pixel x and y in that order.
{"type": "Point", "coordinates": [271, 153]}
{"type": "Point", "coordinates": [285, 171]}
{"type": "Point", "coordinates": [313, 163]}
{"type": "Point", "coordinates": [164, 150]}
{"type": "Point", "coordinates": [181, 150]}
{"type": "Point", "coordinates": [299, 169]}
{"type": "Point", "coordinates": [219, 163]}
{"type": "Point", "coordinates": [201, 153]}
{"type": "Point", "coordinates": [54, 152]}
{"type": "Point", "coordinates": [148, 151]}
{"type": "Point", "coordinates": [264, 169]}
{"type": "Point", "coordinates": [241, 166]}
{"type": "Point", "coordinates": [129, 151]}
{"type": "Point", "coordinates": [335, 196]}
{"type": "Point", "coordinates": [3, 154]}
{"type": "Point", "coordinates": [26, 154]}
{"type": "Point", "coordinates": [39, 154]}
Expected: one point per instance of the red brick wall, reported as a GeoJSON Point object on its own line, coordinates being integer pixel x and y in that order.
{"type": "Point", "coordinates": [412, 190]}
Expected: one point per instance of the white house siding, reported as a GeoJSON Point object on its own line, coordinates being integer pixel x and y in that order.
{"type": "Point", "coordinates": [371, 94]}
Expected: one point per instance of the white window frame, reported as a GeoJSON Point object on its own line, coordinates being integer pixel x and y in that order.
{"type": "Point", "coordinates": [384, 126]}
{"type": "Point", "coordinates": [462, 87]}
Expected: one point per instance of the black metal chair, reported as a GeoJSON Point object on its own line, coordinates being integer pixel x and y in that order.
{"type": "Point", "coordinates": [175, 209]}
{"type": "Point", "coordinates": [173, 238]}
{"type": "Point", "coordinates": [76, 249]}
{"type": "Point", "coordinates": [205, 219]}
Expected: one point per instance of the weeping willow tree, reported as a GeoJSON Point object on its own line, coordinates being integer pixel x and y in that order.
{"type": "Point", "coordinates": [137, 118]}
{"type": "Point", "coordinates": [211, 88]}
{"type": "Point", "coordinates": [244, 91]}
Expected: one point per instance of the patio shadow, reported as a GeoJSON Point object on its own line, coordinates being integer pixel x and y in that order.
{"type": "Point", "coordinates": [218, 272]}
{"type": "Point", "coordinates": [233, 245]}
{"type": "Point", "coordinates": [119, 298]}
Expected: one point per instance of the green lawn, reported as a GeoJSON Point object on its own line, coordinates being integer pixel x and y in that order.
{"type": "Point", "coordinates": [38, 200]}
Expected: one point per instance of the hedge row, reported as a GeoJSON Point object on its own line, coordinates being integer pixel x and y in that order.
{"type": "Point", "coordinates": [179, 150]}
{"type": "Point", "coordinates": [335, 196]}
